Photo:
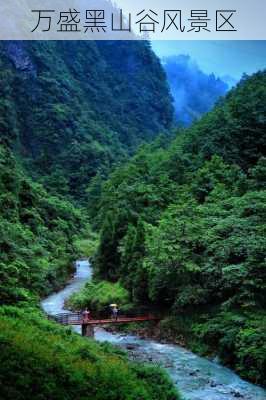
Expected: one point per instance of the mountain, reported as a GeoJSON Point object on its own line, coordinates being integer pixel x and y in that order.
{"type": "Point", "coordinates": [67, 112]}
{"type": "Point", "coordinates": [37, 235]}
{"type": "Point", "coordinates": [181, 224]}
{"type": "Point", "coordinates": [183, 230]}
{"type": "Point", "coordinates": [72, 109]}
{"type": "Point", "coordinates": [194, 92]}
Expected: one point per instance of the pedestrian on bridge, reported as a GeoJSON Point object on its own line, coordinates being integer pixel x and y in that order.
{"type": "Point", "coordinates": [86, 315]}
{"type": "Point", "coordinates": [114, 310]}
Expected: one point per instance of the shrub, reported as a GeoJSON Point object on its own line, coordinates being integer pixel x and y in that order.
{"type": "Point", "coordinates": [98, 296]}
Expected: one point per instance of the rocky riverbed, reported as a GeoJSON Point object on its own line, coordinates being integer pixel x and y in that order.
{"type": "Point", "coordinates": [196, 377]}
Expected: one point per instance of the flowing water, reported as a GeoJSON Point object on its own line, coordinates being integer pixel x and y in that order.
{"type": "Point", "coordinates": [197, 378]}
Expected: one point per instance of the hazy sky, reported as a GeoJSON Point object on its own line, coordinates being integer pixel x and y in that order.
{"type": "Point", "coordinates": [224, 58]}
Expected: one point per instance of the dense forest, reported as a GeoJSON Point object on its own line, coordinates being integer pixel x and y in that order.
{"type": "Point", "coordinates": [88, 143]}
{"type": "Point", "coordinates": [71, 110]}
{"type": "Point", "coordinates": [62, 122]}
{"type": "Point", "coordinates": [183, 230]}
{"type": "Point", "coordinates": [38, 233]}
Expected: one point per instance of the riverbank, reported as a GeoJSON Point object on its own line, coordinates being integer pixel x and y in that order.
{"type": "Point", "coordinates": [197, 378]}
{"type": "Point", "coordinates": [40, 359]}
{"type": "Point", "coordinates": [150, 330]}
{"type": "Point", "coordinates": [227, 338]}
{"type": "Point", "coordinates": [235, 337]}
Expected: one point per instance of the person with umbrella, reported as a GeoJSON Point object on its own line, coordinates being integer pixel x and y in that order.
{"type": "Point", "coordinates": [114, 311]}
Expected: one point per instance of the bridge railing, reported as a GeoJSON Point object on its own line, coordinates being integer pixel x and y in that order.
{"type": "Point", "coordinates": [67, 318]}
{"type": "Point", "coordinates": [77, 317]}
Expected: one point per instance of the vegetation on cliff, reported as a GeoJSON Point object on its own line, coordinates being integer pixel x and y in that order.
{"type": "Point", "coordinates": [183, 227]}
{"type": "Point", "coordinates": [68, 112]}
{"type": "Point", "coordinates": [88, 105]}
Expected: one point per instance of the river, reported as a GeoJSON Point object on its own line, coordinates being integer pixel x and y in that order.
{"type": "Point", "coordinates": [196, 377]}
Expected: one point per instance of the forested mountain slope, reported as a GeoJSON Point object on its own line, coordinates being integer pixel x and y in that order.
{"type": "Point", "coordinates": [194, 91]}
{"type": "Point", "coordinates": [182, 224]}
{"type": "Point", "coordinates": [71, 109]}
{"type": "Point", "coordinates": [184, 229]}
{"type": "Point", "coordinates": [37, 235]}
{"type": "Point", "coordinates": [67, 111]}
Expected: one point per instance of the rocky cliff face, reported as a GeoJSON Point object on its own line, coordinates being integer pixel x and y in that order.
{"type": "Point", "coordinates": [22, 62]}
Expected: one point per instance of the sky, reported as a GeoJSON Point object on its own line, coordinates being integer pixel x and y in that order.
{"type": "Point", "coordinates": [223, 58]}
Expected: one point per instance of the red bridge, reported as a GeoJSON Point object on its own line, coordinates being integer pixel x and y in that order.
{"type": "Point", "coordinates": [88, 323]}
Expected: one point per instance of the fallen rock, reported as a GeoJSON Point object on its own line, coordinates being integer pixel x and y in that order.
{"type": "Point", "coordinates": [237, 394]}
{"type": "Point", "coordinates": [131, 347]}
{"type": "Point", "coordinates": [192, 373]}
